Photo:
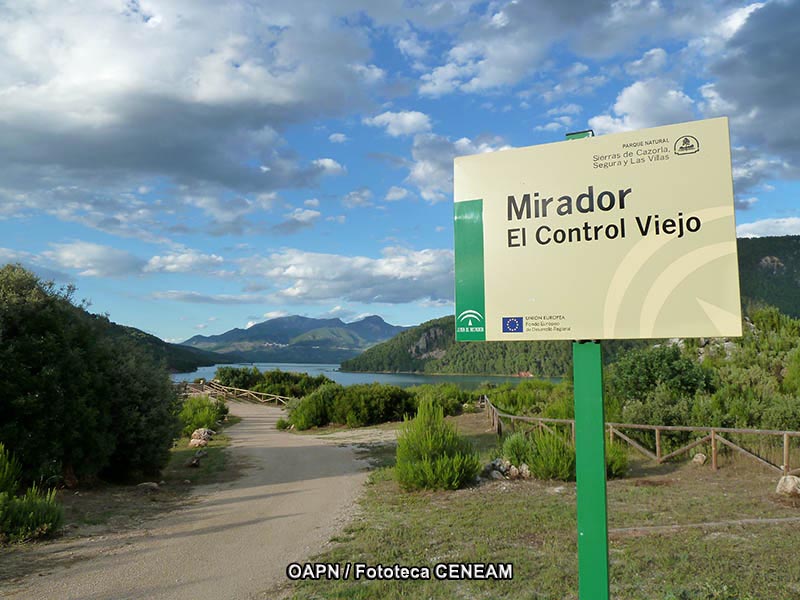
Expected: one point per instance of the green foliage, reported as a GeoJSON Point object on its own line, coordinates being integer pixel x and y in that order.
{"type": "Point", "coordinates": [518, 449]}
{"type": "Point", "coordinates": [315, 409]}
{"type": "Point", "coordinates": [536, 398]}
{"type": "Point", "coordinates": [431, 454]}
{"type": "Point", "coordinates": [201, 411]}
{"type": "Point", "coordinates": [280, 383]}
{"type": "Point", "coordinates": [10, 471]}
{"type": "Point", "coordinates": [36, 514]}
{"type": "Point", "coordinates": [369, 404]}
{"type": "Point", "coordinates": [79, 400]}
{"type": "Point", "coordinates": [553, 456]}
{"type": "Point", "coordinates": [616, 459]}
{"type": "Point", "coordinates": [238, 377]}
{"type": "Point", "coordinates": [282, 424]}
{"type": "Point", "coordinates": [354, 406]}
{"type": "Point", "coordinates": [639, 372]}
{"type": "Point", "coordinates": [447, 395]}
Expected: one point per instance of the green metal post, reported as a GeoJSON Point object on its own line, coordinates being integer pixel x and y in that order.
{"type": "Point", "coordinates": [590, 469]}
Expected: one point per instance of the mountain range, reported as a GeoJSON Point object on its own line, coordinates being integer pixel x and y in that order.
{"type": "Point", "coordinates": [298, 339]}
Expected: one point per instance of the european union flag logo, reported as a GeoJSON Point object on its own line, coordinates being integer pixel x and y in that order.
{"type": "Point", "coordinates": [512, 325]}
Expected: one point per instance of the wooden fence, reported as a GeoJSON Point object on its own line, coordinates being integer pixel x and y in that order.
{"type": "Point", "coordinates": [217, 390]}
{"type": "Point", "coordinates": [713, 435]}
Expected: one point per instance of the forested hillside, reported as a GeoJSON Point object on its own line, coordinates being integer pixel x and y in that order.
{"type": "Point", "coordinates": [431, 348]}
{"type": "Point", "coordinates": [176, 358]}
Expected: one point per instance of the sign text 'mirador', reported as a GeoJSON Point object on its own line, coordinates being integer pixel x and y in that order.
{"type": "Point", "coordinates": [586, 202]}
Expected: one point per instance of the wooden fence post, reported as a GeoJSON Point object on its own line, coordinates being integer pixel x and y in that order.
{"type": "Point", "coordinates": [713, 449]}
{"type": "Point", "coordinates": [611, 434]}
{"type": "Point", "coordinates": [658, 445]}
{"type": "Point", "coordinates": [785, 453]}
{"type": "Point", "coordinates": [573, 432]}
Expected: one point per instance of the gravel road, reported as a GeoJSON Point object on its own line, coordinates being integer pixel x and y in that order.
{"type": "Point", "coordinates": [235, 541]}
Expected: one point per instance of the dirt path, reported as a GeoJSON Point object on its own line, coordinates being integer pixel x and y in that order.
{"type": "Point", "coordinates": [234, 542]}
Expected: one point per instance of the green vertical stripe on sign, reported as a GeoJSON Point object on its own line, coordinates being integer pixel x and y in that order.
{"type": "Point", "coordinates": [470, 300]}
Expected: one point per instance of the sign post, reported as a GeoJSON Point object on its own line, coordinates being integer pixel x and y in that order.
{"type": "Point", "coordinates": [590, 470]}
{"type": "Point", "coordinates": [624, 236]}
{"type": "Point", "coordinates": [590, 462]}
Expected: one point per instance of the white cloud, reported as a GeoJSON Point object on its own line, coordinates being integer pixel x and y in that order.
{"type": "Point", "coordinates": [552, 126]}
{"type": "Point", "coordinates": [312, 202]}
{"type": "Point", "coordinates": [183, 262]}
{"type": "Point", "coordinates": [201, 326]}
{"type": "Point", "coordinates": [200, 298]}
{"type": "Point", "coordinates": [769, 227]}
{"type": "Point", "coordinates": [565, 109]}
{"type": "Point", "coordinates": [644, 104]}
{"type": "Point", "coordinates": [411, 46]}
{"type": "Point", "coordinates": [337, 138]}
{"type": "Point", "coordinates": [755, 79]}
{"type": "Point", "coordinates": [396, 193]}
{"type": "Point", "coordinates": [340, 219]}
{"type": "Point", "coordinates": [329, 166]}
{"type": "Point", "coordinates": [400, 123]}
{"type": "Point", "coordinates": [94, 260]}
{"type": "Point", "coordinates": [400, 275]}
{"type": "Point", "coordinates": [296, 220]}
{"type": "Point", "coordinates": [650, 63]}
{"type": "Point", "coordinates": [275, 314]}
{"type": "Point", "coordinates": [337, 312]}
{"type": "Point", "coordinates": [371, 74]}
{"type": "Point", "coordinates": [432, 166]}
{"type": "Point", "coordinates": [745, 203]}
{"type": "Point", "coordinates": [357, 198]}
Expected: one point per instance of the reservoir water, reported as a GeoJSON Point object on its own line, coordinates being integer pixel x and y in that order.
{"type": "Point", "coordinates": [332, 372]}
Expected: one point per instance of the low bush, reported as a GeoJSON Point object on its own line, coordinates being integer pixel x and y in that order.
{"type": "Point", "coordinates": [282, 424]}
{"type": "Point", "coordinates": [447, 395]}
{"type": "Point", "coordinates": [36, 514]}
{"type": "Point", "coordinates": [32, 515]}
{"type": "Point", "coordinates": [616, 459]}
{"type": "Point", "coordinates": [315, 409]}
{"type": "Point", "coordinates": [10, 472]}
{"type": "Point", "coordinates": [354, 406]}
{"type": "Point", "coordinates": [201, 411]}
{"type": "Point", "coordinates": [431, 454]}
{"type": "Point", "coordinates": [518, 449]}
{"type": "Point", "coordinates": [553, 456]}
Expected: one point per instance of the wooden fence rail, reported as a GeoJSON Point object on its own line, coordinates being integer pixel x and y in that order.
{"type": "Point", "coordinates": [712, 436]}
{"type": "Point", "coordinates": [216, 390]}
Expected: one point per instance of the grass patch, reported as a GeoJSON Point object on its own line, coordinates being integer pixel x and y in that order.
{"type": "Point", "coordinates": [532, 524]}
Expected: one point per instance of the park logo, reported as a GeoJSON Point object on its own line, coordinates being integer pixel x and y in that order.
{"type": "Point", "coordinates": [472, 318]}
{"type": "Point", "coordinates": [687, 144]}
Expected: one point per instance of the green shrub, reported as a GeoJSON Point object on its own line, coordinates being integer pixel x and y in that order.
{"type": "Point", "coordinates": [282, 424]}
{"type": "Point", "coordinates": [10, 471]}
{"type": "Point", "coordinates": [315, 409]}
{"type": "Point", "coordinates": [197, 412]}
{"type": "Point", "coordinates": [553, 456]}
{"type": "Point", "coordinates": [82, 396]}
{"type": "Point", "coordinates": [518, 449]}
{"type": "Point", "coordinates": [616, 459]}
{"type": "Point", "coordinates": [431, 454]}
{"type": "Point", "coordinates": [447, 395]}
{"type": "Point", "coordinates": [221, 409]}
{"type": "Point", "coordinates": [33, 515]}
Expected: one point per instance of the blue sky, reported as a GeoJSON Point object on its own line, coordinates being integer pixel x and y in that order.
{"type": "Point", "coordinates": [197, 166]}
